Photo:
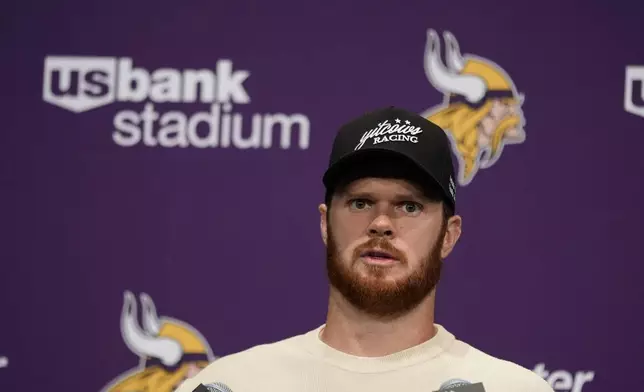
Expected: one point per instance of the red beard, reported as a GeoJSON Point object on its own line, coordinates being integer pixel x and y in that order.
{"type": "Point", "coordinates": [374, 295]}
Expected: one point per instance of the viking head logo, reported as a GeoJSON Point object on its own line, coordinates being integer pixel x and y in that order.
{"type": "Point", "coordinates": [170, 351]}
{"type": "Point", "coordinates": [481, 112]}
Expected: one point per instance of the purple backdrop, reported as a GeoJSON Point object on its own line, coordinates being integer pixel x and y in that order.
{"type": "Point", "coordinates": [226, 238]}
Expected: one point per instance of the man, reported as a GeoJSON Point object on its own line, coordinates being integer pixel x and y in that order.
{"type": "Point", "coordinates": [388, 222]}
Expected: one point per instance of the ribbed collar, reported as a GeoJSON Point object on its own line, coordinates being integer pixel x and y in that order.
{"type": "Point", "coordinates": [413, 355]}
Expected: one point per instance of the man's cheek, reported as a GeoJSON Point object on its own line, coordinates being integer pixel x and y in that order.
{"type": "Point", "coordinates": [413, 253]}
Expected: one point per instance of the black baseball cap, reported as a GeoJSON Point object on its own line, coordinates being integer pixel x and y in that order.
{"type": "Point", "coordinates": [396, 142]}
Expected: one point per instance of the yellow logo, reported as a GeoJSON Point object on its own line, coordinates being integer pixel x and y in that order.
{"type": "Point", "coordinates": [169, 350]}
{"type": "Point", "coordinates": [481, 110]}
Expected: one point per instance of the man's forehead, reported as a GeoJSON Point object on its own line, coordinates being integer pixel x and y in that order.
{"type": "Point", "coordinates": [383, 185]}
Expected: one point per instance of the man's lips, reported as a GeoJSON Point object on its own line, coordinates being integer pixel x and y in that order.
{"type": "Point", "coordinates": [378, 256]}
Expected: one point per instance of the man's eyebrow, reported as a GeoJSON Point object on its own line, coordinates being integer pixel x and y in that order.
{"type": "Point", "coordinates": [400, 196]}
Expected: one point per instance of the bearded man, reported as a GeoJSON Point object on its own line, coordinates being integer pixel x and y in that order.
{"type": "Point", "coordinates": [388, 221]}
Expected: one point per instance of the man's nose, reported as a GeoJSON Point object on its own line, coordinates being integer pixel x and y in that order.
{"type": "Point", "coordinates": [381, 226]}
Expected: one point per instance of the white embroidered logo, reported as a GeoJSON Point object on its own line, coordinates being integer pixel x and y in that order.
{"type": "Point", "coordinates": [387, 132]}
{"type": "Point", "coordinates": [452, 187]}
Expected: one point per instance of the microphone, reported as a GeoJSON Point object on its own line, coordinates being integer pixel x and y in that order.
{"type": "Point", "coordinates": [215, 387]}
{"type": "Point", "coordinates": [461, 386]}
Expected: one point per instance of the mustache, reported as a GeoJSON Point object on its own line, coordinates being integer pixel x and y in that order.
{"type": "Point", "coordinates": [382, 245]}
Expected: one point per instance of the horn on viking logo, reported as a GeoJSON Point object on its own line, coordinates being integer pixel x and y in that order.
{"type": "Point", "coordinates": [481, 112]}
{"type": "Point", "coordinates": [170, 351]}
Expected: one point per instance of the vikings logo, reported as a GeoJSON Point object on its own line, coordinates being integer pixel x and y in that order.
{"type": "Point", "coordinates": [170, 351]}
{"type": "Point", "coordinates": [481, 112]}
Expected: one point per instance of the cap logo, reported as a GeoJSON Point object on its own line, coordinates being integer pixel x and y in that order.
{"type": "Point", "coordinates": [452, 188]}
{"type": "Point", "coordinates": [400, 131]}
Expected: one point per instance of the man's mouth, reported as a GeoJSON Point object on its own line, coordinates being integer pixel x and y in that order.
{"type": "Point", "coordinates": [378, 256]}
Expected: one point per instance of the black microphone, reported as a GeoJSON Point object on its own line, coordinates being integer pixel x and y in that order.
{"type": "Point", "coordinates": [463, 386]}
{"type": "Point", "coordinates": [216, 387]}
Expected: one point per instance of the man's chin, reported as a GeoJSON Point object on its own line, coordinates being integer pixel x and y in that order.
{"type": "Point", "coordinates": [380, 272]}
{"type": "Point", "coordinates": [377, 297]}
{"type": "Point", "coordinates": [378, 280]}
{"type": "Point", "coordinates": [377, 290]}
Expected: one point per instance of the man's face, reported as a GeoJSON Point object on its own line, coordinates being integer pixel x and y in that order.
{"type": "Point", "coordinates": [385, 245]}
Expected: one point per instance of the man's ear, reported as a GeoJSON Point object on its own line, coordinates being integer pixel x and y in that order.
{"type": "Point", "coordinates": [323, 222]}
{"type": "Point", "coordinates": [452, 234]}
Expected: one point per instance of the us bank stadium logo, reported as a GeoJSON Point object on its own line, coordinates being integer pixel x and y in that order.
{"type": "Point", "coordinates": [481, 110]}
{"type": "Point", "coordinates": [81, 84]}
{"type": "Point", "coordinates": [170, 351]}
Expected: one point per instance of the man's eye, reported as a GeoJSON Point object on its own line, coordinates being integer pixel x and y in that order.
{"type": "Point", "coordinates": [359, 204]}
{"type": "Point", "coordinates": [411, 208]}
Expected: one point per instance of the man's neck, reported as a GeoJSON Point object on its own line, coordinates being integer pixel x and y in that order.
{"type": "Point", "coordinates": [356, 333]}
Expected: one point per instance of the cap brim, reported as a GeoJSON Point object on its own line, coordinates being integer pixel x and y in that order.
{"type": "Point", "coordinates": [344, 166]}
